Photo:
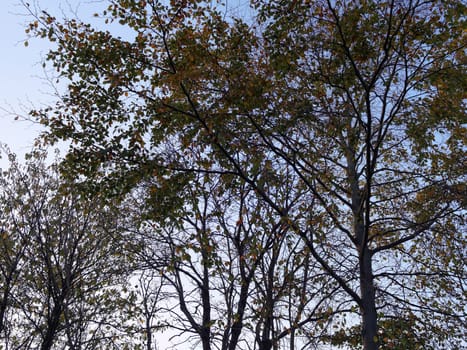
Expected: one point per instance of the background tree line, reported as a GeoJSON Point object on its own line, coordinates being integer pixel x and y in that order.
{"type": "Point", "coordinates": [290, 182]}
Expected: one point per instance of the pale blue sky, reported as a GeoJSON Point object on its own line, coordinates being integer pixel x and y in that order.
{"type": "Point", "coordinates": [19, 78]}
{"type": "Point", "coordinates": [22, 79]}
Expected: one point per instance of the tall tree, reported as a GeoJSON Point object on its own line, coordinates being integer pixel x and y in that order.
{"type": "Point", "coordinates": [361, 103]}
{"type": "Point", "coordinates": [223, 259]}
{"type": "Point", "coordinates": [14, 242]}
{"type": "Point", "coordinates": [63, 269]}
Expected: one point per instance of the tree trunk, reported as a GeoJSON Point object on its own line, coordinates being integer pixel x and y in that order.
{"type": "Point", "coordinates": [206, 338]}
{"type": "Point", "coordinates": [265, 344]}
{"type": "Point", "coordinates": [4, 304]}
{"type": "Point", "coordinates": [148, 333]}
{"type": "Point", "coordinates": [206, 300]}
{"type": "Point", "coordinates": [237, 326]}
{"type": "Point", "coordinates": [368, 307]}
{"type": "Point", "coordinates": [360, 223]}
{"type": "Point", "coordinates": [52, 326]}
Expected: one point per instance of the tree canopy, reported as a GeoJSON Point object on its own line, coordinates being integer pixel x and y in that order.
{"type": "Point", "coordinates": [301, 176]}
{"type": "Point", "coordinates": [62, 269]}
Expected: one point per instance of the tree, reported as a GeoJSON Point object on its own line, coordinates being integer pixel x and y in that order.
{"type": "Point", "coordinates": [64, 270]}
{"type": "Point", "coordinates": [361, 103]}
{"type": "Point", "coordinates": [14, 242]}
{"type": "Point", "coordinates": [224, 262]}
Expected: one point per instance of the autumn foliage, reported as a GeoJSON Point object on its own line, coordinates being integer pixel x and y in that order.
{"type": "Point", "coordinates": [299, 175]}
